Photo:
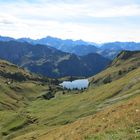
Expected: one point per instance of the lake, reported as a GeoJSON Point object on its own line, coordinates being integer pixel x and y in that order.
{"type": "Point", "coordinates": [79, 84]}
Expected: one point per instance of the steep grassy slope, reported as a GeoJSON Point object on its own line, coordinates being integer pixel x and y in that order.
{"type": "Point", "coordinates": [17, 89]}
{"type": "Point", "coordinates": [120, 121]}
{"type": "Point", "coordinates": [124, 63]}
{"type": "Point", "coordinates": [108, 111]}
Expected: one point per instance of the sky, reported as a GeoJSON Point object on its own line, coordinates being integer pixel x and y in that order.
{"type": "Point", "coordinates": [91, 20]}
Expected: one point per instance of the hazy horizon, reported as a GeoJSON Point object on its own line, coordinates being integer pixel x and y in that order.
{"type": "Point", "coordinates": [96, 21]}
{"type": "Point", "coordinates": [69, 39]}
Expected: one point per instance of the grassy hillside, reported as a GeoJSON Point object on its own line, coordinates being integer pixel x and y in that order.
{"type": "Point", "coordinates": [106, 111]}
{"type": "Point", "coordinates": [57, 118]}
{"type": "Point", "coordinates": [124, 63]}
{"type": "Point", "coordinates": [17, 89]}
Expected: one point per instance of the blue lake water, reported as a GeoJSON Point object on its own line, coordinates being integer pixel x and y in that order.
{"type": "Point", "coordinates": [79, 84]}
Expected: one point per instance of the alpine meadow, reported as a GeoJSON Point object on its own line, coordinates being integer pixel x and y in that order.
{"type": "Point", "coordinates": [69, 70]}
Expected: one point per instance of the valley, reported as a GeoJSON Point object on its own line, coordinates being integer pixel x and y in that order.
{"type": "Point", "coordinates": [108, 109]}
{"type": "Point", "coordinates": [69, 70]}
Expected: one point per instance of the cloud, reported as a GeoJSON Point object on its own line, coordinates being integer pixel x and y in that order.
{"type": "Point", "coordinates": [120, 11]}
{"type": "Point", "coordinates": [92, 20]}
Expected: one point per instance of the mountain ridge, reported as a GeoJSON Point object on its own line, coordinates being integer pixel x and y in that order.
{"type": "Point", "coordinates": [51, 62]}
{"type": "Point", "coordinates": [125, 62]}
{"type": "Point", "coordinates": [80, 47]}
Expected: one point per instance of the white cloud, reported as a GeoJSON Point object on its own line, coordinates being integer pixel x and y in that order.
{"type": "Point", "coordinates": [92, 20]}
{"type": "Point", "coordinates": [122, 11]}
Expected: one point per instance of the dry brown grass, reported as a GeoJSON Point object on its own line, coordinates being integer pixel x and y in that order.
{"type": "Point", "coordinates": [120, 117]}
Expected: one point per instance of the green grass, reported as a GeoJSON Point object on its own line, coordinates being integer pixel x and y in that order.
{"type": "Point", "coordinates": [66, 109]}
{"type": "Point", "coordinates": [24, 116]}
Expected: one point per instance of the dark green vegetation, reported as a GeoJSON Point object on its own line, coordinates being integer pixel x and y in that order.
{"type": "Point", "coordinates": [108, 110]}
{"type": "Point", "coordinates": [50, 62]}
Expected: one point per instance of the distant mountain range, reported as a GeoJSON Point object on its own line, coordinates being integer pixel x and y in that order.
{"type": "Point", "coordinates": [48, 61]}
{"type": "Point", "coordinates": [80, 47]}
{"type": "Point", "coordinates": [54, 57]}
